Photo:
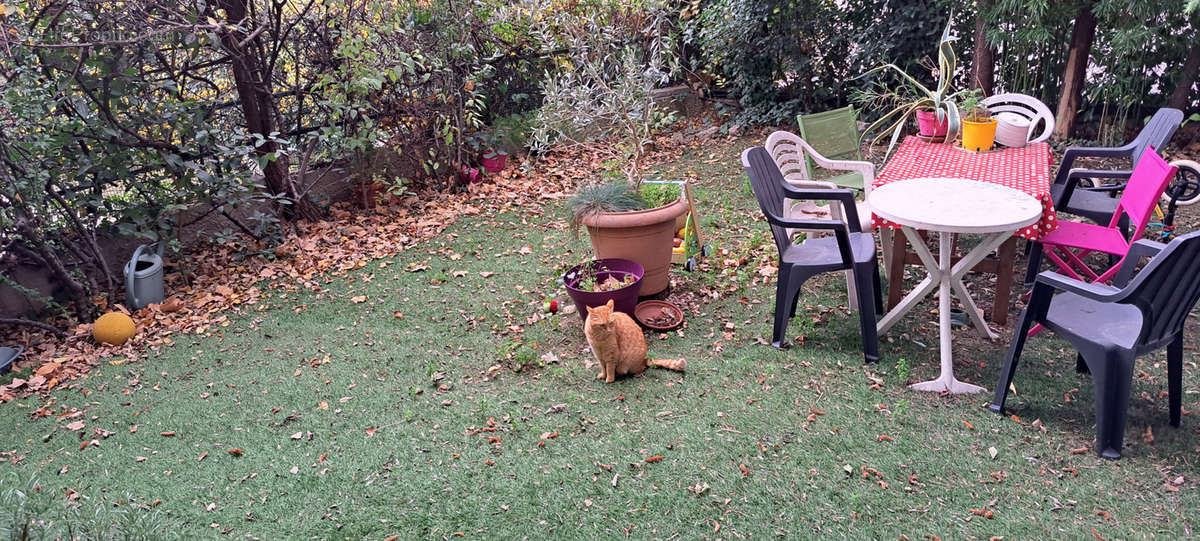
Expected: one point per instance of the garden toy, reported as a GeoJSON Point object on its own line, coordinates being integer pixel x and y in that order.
{"type": "Point", "coordinates": [113, 328]}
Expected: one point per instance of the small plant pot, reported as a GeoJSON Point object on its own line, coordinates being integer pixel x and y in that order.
{"type": "Point", "coordinates": [469, 174]}
{"type": "Point", "coordinates": [1012, 131]}
{"type": "Point", "coordinates": [958, 318]}
{"type": "Point", "coordinates": [927, 123]}
{"type": "Point", "coordinates": [493, 162]}
{"type": "Point", "coordinates": [624, 299]}
{"type": "Point", "coordinates": [8, 356]}
{"type": "Point", "coordinates": [979, 135]}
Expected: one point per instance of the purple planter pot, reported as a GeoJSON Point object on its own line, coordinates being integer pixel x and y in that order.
{"type": "Point", "coordinates": [624, 299]}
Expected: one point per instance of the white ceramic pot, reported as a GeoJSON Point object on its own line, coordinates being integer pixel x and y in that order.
{"type": "Point", "coordinates": [1012, 130]}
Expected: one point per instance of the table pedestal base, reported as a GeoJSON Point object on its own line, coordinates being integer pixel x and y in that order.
{"type": "Point", "coordinates": [946, 383]}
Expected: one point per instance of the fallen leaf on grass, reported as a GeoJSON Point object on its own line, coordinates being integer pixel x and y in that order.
{"type": "Point", "coordinates": [745, 470]}
{"type": "Point", "coordinates": [549, 435]}
{"type": "Point", "coordinates": [1079, 450]}
{"type": "Point", "coordinates": [654, 459]}
{"type": "Point", "coordinates": [167, 434]}
{"type": "Point", "coordinates": [487, 274]}
{"type": "Point", "coordinates": [371, 432]}
{"type": "Point", "coordinates": [235, 452]}
{"type": "Point", "coordinates": [357, 299]}
{"type": "Point", "coordinates": [201, 457]}
{"type": "Point", "coordinates": [297, 435]}
{"type": "Point", "coordinates": [77, 425]}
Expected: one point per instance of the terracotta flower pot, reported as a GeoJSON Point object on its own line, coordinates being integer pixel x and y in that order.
{"type": "Point", "coordinates": [927, 122]}
{"type": "Point", "coordinates": [643, 236]}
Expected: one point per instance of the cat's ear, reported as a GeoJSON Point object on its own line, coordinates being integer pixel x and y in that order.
{"type": "Point", "coordinates": [609, 304]}
{"type": "Point", "coordinates": [590, 309]}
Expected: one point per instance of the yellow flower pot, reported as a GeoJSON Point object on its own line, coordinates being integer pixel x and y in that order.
{"type": "Point", "coordinates": [979, 135]}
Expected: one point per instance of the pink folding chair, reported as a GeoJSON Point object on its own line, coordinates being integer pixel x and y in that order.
{"type": "Point", "coordinates": [1075, 240]}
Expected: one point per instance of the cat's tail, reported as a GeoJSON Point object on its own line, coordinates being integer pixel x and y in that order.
{"type": "Point", "coordinates": [670, 364]}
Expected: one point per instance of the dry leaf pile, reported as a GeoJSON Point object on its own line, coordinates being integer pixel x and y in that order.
{"type": "Point", "coordinates": [225, 279]}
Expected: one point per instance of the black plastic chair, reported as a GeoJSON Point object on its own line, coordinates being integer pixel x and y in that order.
{"type": "Point", "coordinates": [848, 248]}
{"type": "Point", "coordinates": [1111, 326]}
{"type": "Point", "coordinates": [1098, 203]}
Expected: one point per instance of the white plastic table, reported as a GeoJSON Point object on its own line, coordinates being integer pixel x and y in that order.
{"type": "Point", "coordinates": [948, 206]}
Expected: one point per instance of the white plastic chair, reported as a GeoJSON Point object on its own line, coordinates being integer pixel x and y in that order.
{"type": "Point", "coordinates": [788, 151]}
{"type": "Point", "coordinates": [1018, 118]}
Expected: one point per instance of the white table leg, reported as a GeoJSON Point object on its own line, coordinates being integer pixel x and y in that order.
{"type": "Point", "coordinates": [945, 382]}
{"type": "Point", "coordinates": [922, 290]}
{"type": "Point", "coordinates": [964, 265]}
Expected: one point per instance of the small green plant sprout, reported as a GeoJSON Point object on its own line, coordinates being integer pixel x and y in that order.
{"type": "Point", "coordinates": [971, 103]}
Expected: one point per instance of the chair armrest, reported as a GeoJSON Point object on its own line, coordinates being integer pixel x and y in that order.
{"type": "Point", "coordinates": [1065, 167]}
{"type": "Point", "coordinates": [842, 195]}
{"type": "Point", "coordinates": [1098, 173]}
{"type": "Point", "coordinates": [1057, 281]}
{"type": "Point", "coordinates": [1074, 175]}
{"type": "Point", "coordinates": [827, 225]}
{"type": "Point", "coordinates": [838, 227]}
{"type": "Point", "coordinates": [1140, 249]}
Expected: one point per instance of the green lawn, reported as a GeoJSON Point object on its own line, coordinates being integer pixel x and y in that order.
{"type": "Point", "coordinates": [351, 422]}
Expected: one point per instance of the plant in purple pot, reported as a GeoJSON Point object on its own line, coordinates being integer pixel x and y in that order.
{"type": "Point", "coordinates": [594, 283]}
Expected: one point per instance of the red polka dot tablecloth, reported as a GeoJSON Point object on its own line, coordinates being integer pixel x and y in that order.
{"type": "Point", "coordinates": [1026, 169]}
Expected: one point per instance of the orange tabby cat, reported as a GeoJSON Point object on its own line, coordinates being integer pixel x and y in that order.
{"type": "Point", "coordinates": [619, 344]}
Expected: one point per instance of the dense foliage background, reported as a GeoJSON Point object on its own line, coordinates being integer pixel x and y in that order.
{"type": "Point", "coordinates": [142, 118]}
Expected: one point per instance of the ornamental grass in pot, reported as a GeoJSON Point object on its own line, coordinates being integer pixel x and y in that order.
{"type": "Point", "coordinates": [604, 103]}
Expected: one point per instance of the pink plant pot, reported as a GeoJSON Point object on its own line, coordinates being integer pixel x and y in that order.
{"type": "Point", "coordinates": [470, 174]}
{"type": "Point", "coordinates": [493, 163]}
{"type": "Point", "coordinates": [927, 122]}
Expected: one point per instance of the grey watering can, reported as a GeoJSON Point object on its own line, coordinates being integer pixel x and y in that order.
{"type": "Point", "coordinates": [7, 356]}
{"type": "Point", "coordinates": [144, 276]}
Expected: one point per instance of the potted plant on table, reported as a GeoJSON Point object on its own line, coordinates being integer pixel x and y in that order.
{"type": "Point", "coordinates": [978, 128]}
{"type": "Point", "coordinates": [934, 107]}
{"type": "Point", "coordinates": [605, 96]}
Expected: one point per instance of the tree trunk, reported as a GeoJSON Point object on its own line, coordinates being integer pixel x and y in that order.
{"type": "Point", "coordinates": [1082, 35]}
{"type": "Point", "coordinates": [983, 63]}
{"type": "Point", "coordinates": [1187, 78]}
{"type": "Point", "coordinates": [253, 85]}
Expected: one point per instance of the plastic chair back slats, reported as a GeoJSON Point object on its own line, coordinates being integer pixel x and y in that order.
{"type": "Point", "coordinates": [765, 180]}
{"type": "Point", "coordinates": [833, 134]}
{"type": "Point", "coordinates": [1158, 131]}
{"type": "Point", "coordinates": [1146, 184]}
{"type": "Point", "coordinates": [1168, 288]}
